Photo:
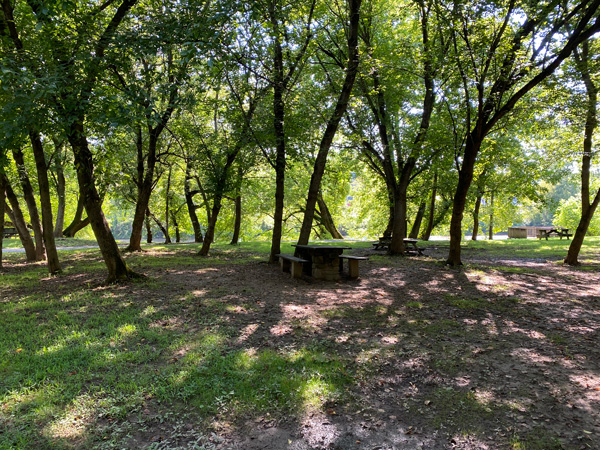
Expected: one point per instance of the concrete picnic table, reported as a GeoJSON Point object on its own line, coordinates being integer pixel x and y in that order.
{"type": "Point", "coordinates": [323, 260]}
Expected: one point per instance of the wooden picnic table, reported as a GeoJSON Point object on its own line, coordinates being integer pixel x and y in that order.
{"type": "Point", "coordinates": [323, 260]}
{"type": "Point", "coordinates": [560, 232]}
{"type": "Point", "coordinates": [385, 242]}
{"type": "Point", "coordinates": [9, 232]}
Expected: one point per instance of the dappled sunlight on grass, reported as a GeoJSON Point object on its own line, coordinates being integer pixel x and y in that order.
{"type": "Point", "coordinates": [232, 342]}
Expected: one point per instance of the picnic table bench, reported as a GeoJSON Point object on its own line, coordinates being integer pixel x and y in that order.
{"type": "Point", "coordinates": [384, 243]}
{"type": "Point", "coordinates": [560, 232]}
{"type": "Point", "coordinates": [9, 232]}
{"type": "Point", "coordinates": [319, 261]}
{"type": "Point", "coordinates": [352, 264]}
{"type": "Point", "coordinates": [292, 264]}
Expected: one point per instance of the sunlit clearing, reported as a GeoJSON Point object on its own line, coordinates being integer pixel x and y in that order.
{"type": "Point", "coordinates": [127, 330]}
{"type": "Point", "coordinates": [73, 423]}
{"type": "Point", "coordinates": [314, 393]}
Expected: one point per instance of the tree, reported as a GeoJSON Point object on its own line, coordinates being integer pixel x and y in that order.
{"type": "Point", "coordinates": [501, 53]}
{"type": "Point", "coordinates": [334, 120]}
{"type": "Point", "coordinates": [587, 66]}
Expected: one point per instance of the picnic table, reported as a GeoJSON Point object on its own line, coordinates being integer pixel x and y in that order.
{"type": "Point", "coordinates": [323, 261]}
{"type": "Point", "coordinates": [560, 232]}
{"type": "Point", "coordinates": [412, 248]}
{"type": "Point", "coordinates": [9, 232]}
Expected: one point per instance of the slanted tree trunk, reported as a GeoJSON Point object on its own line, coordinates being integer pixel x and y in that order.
{"type": "Point", "coordinates": [46, 203]}
{"type": "Point", "coordinates": [591, 123]}
{"type": "Point", "coordinates": [115, 264]}
{"type": "Point", "coordinates": [465, 177]}
{"type": "Point", "coordinates": [160, 225]}
{"type": "Point", "coordinates": [237, 225]}
{"type": "Point", "coordinates": [429, 228]}
{"type": "Point", "coordinates": [167, 207]}
{"type": "Point", "coordinates": [217, 202]}
{"type": "Point", "coordinates": [28, 195]}
{"type": "Point", "coordinates": [491, 230]}
{"type": "Point", "coordinates": [77, 223]}
{"type": "Point", "coordinates": [476, 217]}
{"type": "Point", "coordinates": [189, 201]}
{"type": "Point", "coordinates": [59, 223]}
{"type": "Point", "coordinates": [327, 219]}
{"type": "Point", "coordinates": [16, 217]}
{"type": "Point", "coordinates": [148, 228]}
{"type": "Point", "coordinates": [2, 203]}
{"type": "Point", "coordinates": [333, 123]}
{"type": "Point", "coordinates": [176, 226]}
{"type": "Point", "coordinates": [414, 232]}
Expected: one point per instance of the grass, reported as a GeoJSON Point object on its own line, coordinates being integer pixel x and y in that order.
{"type": "Point", "coordinates": [89, 366]}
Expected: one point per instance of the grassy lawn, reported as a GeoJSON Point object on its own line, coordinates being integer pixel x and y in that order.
{"type": "Point", "coordinates": [186, 356]}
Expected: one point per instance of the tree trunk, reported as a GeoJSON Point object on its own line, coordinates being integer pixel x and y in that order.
{"type": "Point", "coordinates": [148, 228]}
{"type": "Point", "coordinates": [429, 228]}
{"type": "Point", "coordinates": [45, 202]}
{"type": "Point", "coordinates": [40, 251]}
{"type": "Point", "coordinates": [414, 232]}
{"type": "Point", "coordinates": [209, 237]}
{"type": "Point", "coordinates": [397, 246]}
{"type": "Point", "coordinates": [189, 201]}
{"type": "Point", "coordinates": [476, 218]}
{"type": "Point", "coordinates": [160, 225]}
{"type": "Point", "coordinates": [144, 187]}
{"type": "Point", "coordinates": [176, 226]}
{"type": "Point", "coordinates": [465, 177]}
{"type": "Point", "coordinates": [16, 217]}
{"type": "Point", "coordinates": [491, 230]}
{"type": "Point", "coordinates": [591, 123]}
{"type": "Point", "coordinates": [2, 203]}
{"type": "Point", "coordinates": [115, 264]}
{"type": "Point", "coordinates": [237, 225]}
{"type": "Point", "coordinates": [77, 223]}
{"type": "Point", "coordinates": [327, 219]}
{"type": "Point", "coordinates": [333, 123]}
{"type": "Point", "coordinates": [59, 224]}
{"type": "Point", "coordinates": [278, 126]}
{"type": "Point", "coordinates": [167, 207]}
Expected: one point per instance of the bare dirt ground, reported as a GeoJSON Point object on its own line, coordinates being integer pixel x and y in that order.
{"type": "Point", "coordinates": [499, 354]}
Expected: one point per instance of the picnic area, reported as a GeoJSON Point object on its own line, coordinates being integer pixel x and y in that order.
{"type": "Point", "coordinates": [229, 352]}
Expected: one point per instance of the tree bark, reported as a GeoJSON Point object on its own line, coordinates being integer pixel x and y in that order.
{"type": "Point", "coordinates": [414, 232]}
{"type": "Point", "coordinates": [77, 223]}
{"type": "Point", "coordinates": [237, 225]}
{"type": "Point", "coordinates": [491, 230]}
{"type": "Point", "coordinates": [167, 207]}
{"type": "Point", "coordinates": [333, 123]}
{"type": "Point", "coordinates": [465, 177]}
{"type": "Point", "coordinates": [189, 201]}
{"type": "Point", "coordinates": [2, 203]}
{"type": "Point", "coordinates": [327, 219]}
{"type": "Point", "coordinates": [16, 216]}
{"type": "Point", "coordinates": [278, 127]}
{"type": "Point", "coordinates": [160, 225]}
{"type": "Point", "coordinates": [59, 224]}
{"type": "Point", "coordinates": [476, 217]}
{"type": "Point", "coordinates": [28, 195]}
{"type": "Point", "coordinates": [429, 228]}
{"type": "Point", "coordinates": [115, 264]}
{"type": "Point", "coordinates": [45, 202]}
{"type": "Point", "coordinates": [176, 226]}
{"type": "Point", "coordinates": [591, 123]}
{"type": "Point", "coordinates": [148, 228]}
